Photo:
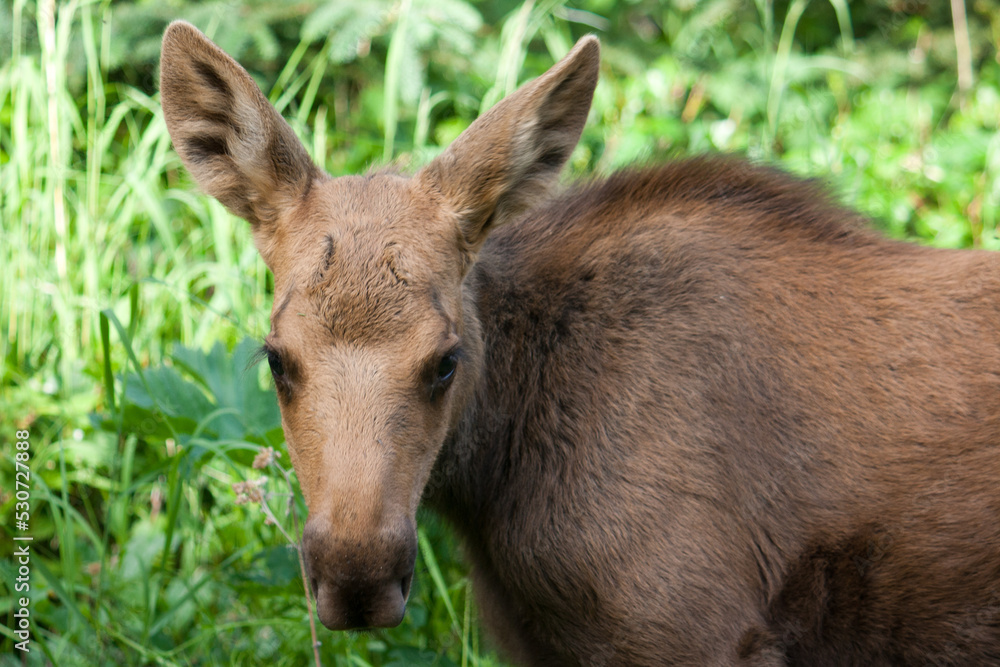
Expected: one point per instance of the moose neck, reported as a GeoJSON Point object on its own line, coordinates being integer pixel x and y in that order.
{"type": "Point", "coordinates": [483, 465]}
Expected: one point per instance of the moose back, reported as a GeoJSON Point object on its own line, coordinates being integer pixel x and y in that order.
{"type": "Point", "coordinates": [694, 414]}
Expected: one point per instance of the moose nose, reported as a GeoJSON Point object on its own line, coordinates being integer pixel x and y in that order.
{"type": "Point", "coordinates": [360, 582]}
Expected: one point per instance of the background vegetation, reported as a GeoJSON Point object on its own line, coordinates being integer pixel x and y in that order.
{"type": "Point", "coordinates": [127, 297]}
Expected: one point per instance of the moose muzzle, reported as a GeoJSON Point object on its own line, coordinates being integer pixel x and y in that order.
{"type": "Point", "coordinates": [360, 582]}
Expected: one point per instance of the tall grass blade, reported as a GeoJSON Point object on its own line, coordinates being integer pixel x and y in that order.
{"type": "Point", "coordinates": [843, 12]}
{"type": "Point", "coordinates": [777, 87]}
{"type": "Point", "coordinates": [393, 67]}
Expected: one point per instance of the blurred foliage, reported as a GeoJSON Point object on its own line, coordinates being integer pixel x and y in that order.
{"type": "Point", "coordinates": [116, 275]}
{"type": "Point", "coordinates": [684, 76]}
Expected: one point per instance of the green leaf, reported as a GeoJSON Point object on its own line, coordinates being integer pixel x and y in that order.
{"type": "Point", "coordinates": [175, 395]}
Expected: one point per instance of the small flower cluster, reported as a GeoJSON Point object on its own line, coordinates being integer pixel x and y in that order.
{"type": "Point", "coordinates": [264, 458]}
{"type": "Point", "coordinates": [249, 491]}
{"type": "Point", "coordinates": [254, 491]}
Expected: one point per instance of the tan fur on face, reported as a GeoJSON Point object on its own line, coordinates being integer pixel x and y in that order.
{"type": "Point", "coordinates": [343, 293]}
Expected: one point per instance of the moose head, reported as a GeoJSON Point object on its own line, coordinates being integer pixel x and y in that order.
{"type": "Point", "coordinates": [375, 347]}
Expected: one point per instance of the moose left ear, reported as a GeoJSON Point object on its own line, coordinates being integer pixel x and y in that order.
{"type": "Point", "coordinates": [236, 145]}
{"type": "Point", "coordinates": [509, 158]}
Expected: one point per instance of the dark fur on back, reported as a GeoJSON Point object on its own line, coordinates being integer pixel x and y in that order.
{"type": "Point", "coordinates": [822, 408]}
{"type": "Point", "coordinates": [747, 194]}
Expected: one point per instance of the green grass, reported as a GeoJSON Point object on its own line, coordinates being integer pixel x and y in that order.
{"type": "Point", "coordinates": [118, 279]}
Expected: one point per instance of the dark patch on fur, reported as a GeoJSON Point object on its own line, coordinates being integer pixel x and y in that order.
{"type": "Point", "coordinates": [211, 78]}
{"type": "Point", "coordinates": [279, 311]}
{"type": "Point", "coordinates": [201, 148]}
{"type": "Point", "coordinates": [329, 252]}
{"type": "Point", "coordinates": [552, 159]}
{"type": "Point", "coordinates": [289, 160]}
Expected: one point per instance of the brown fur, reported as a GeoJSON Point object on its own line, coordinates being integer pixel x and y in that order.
{"type": "Point", "coordinates": [700, 415]}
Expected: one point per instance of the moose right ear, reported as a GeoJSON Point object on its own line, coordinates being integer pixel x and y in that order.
{"type": "Point", "coordinates": [236, 145]}
{"type": "Point", "coordinates": [510, 157]}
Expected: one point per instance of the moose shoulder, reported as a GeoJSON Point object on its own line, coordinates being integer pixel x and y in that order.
{"type": "Point", "coordinates": [691, 415]}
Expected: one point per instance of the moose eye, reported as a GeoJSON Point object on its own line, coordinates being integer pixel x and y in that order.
{"type": "Point", "coordinates": [444, 373]}
{"type": "Point", "coordinates": [446, 368]}
{"type": "Point", "coordinates": [274, 361]}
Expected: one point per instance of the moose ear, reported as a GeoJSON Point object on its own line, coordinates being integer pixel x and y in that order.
{"type": "Point", "coordinates": [509, 158]}
{"type": "Point", "coordinates": [236, 145]}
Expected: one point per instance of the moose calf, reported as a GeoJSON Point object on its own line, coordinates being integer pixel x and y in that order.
{"type": "Point", "coordinates": [694, 414]}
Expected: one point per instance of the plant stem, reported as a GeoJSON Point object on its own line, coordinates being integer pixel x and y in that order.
{"type": "Point", "coordinates": [963, 49]}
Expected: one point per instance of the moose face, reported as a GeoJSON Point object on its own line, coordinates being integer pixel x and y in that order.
{"type": "Point", "coordinates": [374, 345]}
{"type": "Point", "coordinates": [370, 355]}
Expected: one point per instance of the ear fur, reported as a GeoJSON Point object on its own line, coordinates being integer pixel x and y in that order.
{"type": "Point", "coordinates": [236, 145]}
{"type": "Point", "coordinates": [510, 157]}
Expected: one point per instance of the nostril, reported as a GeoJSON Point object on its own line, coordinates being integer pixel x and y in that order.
{"type": "Point", "coordinates": [359, 582]}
